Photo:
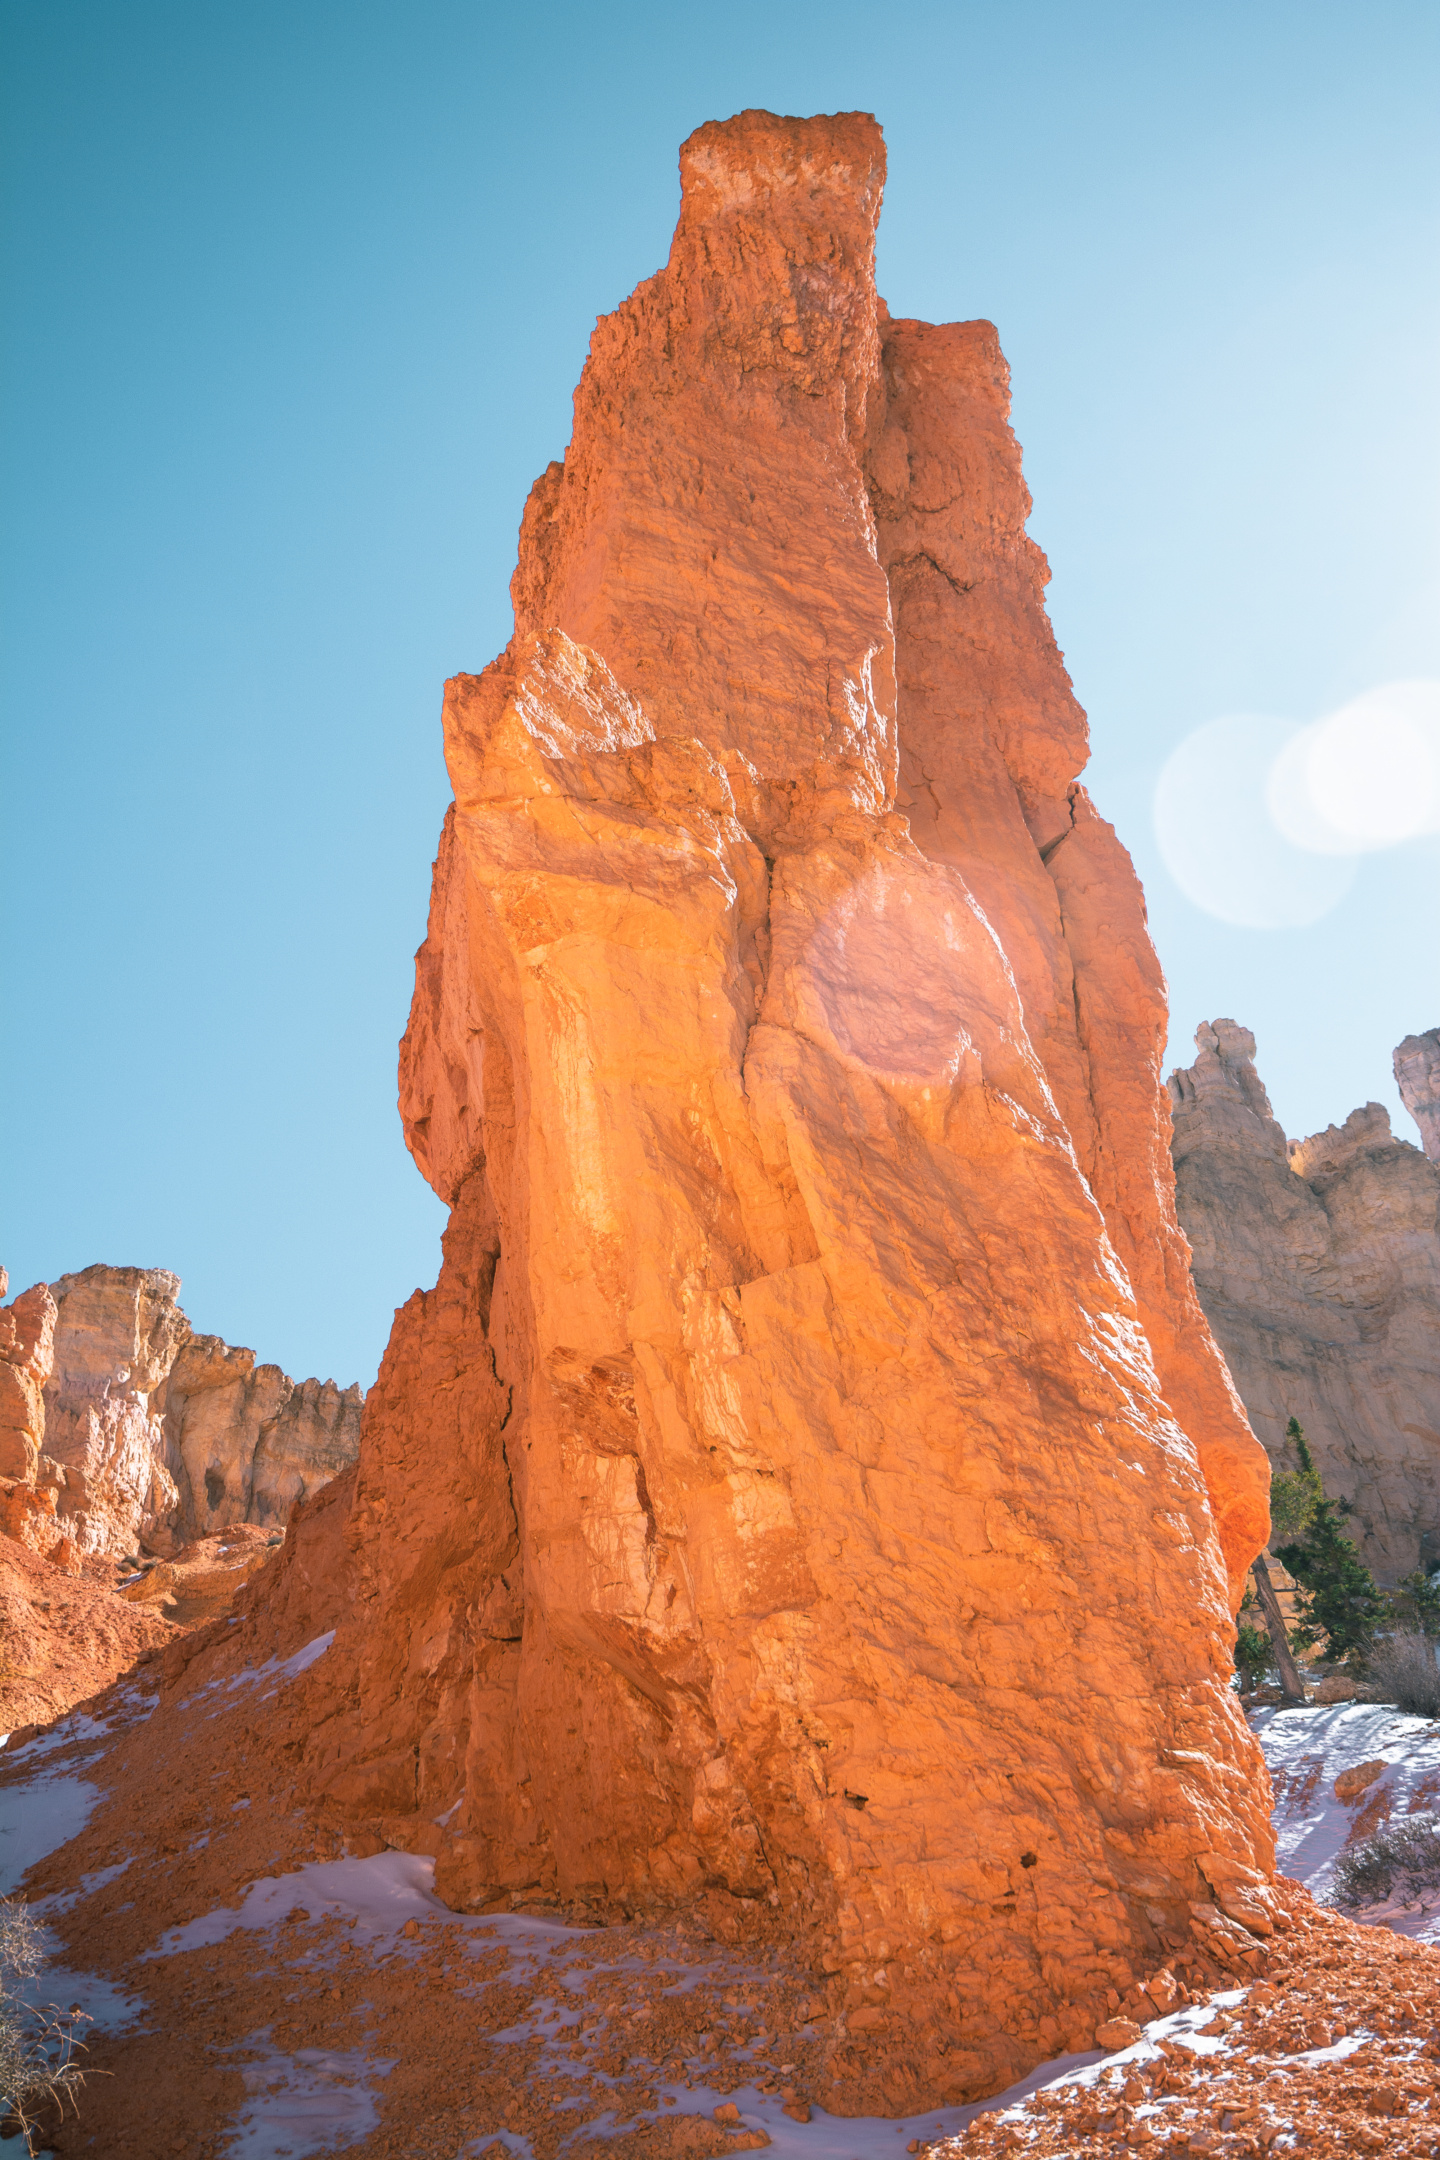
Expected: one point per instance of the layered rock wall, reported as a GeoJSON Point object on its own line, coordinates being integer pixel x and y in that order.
{"type": "Point", "coordinates": [1318, 1264]}
{"type": "Point", "coordinates": [811, 1494]}
{"type": "Point", "coordinates": [116, 1334]}
{"type": "Point", "coordinates": [252, 1442]}
{"type": "Point", "coordinates": [151, 1434]}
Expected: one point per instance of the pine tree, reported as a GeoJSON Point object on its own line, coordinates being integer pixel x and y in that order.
{"type": "Point", "coordinates": [1415, 1604]}
{"type": "Point", "coordinates": [1294, 1495]}
{"type": "Point", "coordinates": [1253, 1655]}
{"type": "Point", "coordinates": [1340, 1596]}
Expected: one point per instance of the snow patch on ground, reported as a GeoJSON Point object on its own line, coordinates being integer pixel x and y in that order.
{"type": "Point", "coordinates": [70, 1731]}
{"type": "Point", "coordinates": [61, 1901]}
{"type": "Point", "coordinates": [314, 2101]}
{"type": "Point", "coordinates": [108, 2007]}
{"type": "Point", "coordinates": [381, 1893]}
{"type": "Point", "coordinates": [47, 1807]}
{"type": "Point", "coordinates": [279, 1670]}
{"type": "Point", "coordinates": [1306, 1749]}
{"type": "Point", "coordinates": [39, 1817]}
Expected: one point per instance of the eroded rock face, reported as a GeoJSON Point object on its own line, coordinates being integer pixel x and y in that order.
{"type": "Point", "coordinates": [200, 1581]}
{"type": "Point", "coordinates": [808, 1494]}
{"type": "Point", "coordinates": [315, 1436]}
{"type": "Point", "coordinates": [1417, 1075]}
{"type": "Point", "coordinates": [154, 1435]}
{"type": "Point", "coordinates": [1318, 1265]}
{"type": "Point", "coordinates": [116, 1334]}
{"type": "Point", "coordinates": [27, 1353]}
{"type": "Point", "coordinates": [251, 1442]}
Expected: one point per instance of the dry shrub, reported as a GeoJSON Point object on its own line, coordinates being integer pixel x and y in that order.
{"type": "Point", "coordinates": [1401, 1862]}
{"type": "Point", "coordinates": [38, 2043]}
{"type": "Point", "coordinates": [1402, 1669]}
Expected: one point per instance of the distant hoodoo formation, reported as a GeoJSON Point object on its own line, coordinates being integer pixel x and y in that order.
{"type": "Point", "coordinates": [1417, 1075]}
{"type": "Point", "coordinates": [119, 1426]}
{"type": "Point", "coordinates": [1318, 1265]}
{"type": "Point", "coordinates": [811, 1494]}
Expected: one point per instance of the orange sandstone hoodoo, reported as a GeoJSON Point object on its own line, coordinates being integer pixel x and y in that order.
{"type": "Point", "coordinates": [806, 1499]}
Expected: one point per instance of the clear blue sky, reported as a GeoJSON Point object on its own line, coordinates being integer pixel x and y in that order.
{"type": "Point", "coordinates": [295, 299]}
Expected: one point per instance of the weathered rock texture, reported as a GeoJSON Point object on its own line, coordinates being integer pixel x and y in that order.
{"type": "Point", "coordinates": [116, 1335]}
{"type": "Point", "coordinates": [1318, 1265]}
{"type": "Point", "coordinates": [133, 1430]}
{"type": "Point", "coordinates": [1417, 1075]}
{"type": "Point", "coordinates": [200, 1582]}
{"type": "Point", "coordinates": [29, 1480]}
{"type": "Point", "coordinates": [807, 1494]}
{"type": "Point", "coordinates": [27, 1354]}
{"type": "Point", "coordinates": [251, 1441]}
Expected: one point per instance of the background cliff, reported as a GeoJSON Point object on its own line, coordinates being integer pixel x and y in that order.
{"type": "Point", "coordinates": [122, 1429]}
{"type": "Point", "coordinates": [1318, 1264]}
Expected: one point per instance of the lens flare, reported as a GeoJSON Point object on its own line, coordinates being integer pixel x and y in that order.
{"type": "Point", "coordinates": [1364, 777]}
{"type": "Point", "coordinates": [1260, 822]}
{"type": "Point", "coordinates": [1219, 841]}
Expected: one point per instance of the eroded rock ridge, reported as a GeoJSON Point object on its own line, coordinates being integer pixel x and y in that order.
{"type": "Point", "coordinates": [122, 1428]}
{"type": "Point", "coordinates": [811, 1494]}
{"type": "Point", "coordinates": [1318, 1264]}
{"type": "Point", "coordinates": [1417, 1075]}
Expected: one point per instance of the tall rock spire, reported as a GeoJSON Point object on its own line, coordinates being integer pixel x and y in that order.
{"type": "Point", "coordinates": [811, 1495]}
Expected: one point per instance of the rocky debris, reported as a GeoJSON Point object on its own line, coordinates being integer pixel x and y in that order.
{"type": "Point", "coordinates": [484, 2024]}
{"type": "Point", "coordinates": [64, 1633]}
{"type": "Point", "coordinates": [1318, 1264]}
{"type": "Point", "coordinates": [201, 1581]}
{"type": "Point", "coordinates": [257, 1948]}
{"type": "Point", "coordinates": [72, 1623]}
{"type": "Point", "coordinates": [1335, 2053]}
{"type": "Point", "coordinates": [735, 1532]}
{"type": "Point", "coordinates": [125, 1427]}
{"type": "Point", "coordinates": [1417, 1075]}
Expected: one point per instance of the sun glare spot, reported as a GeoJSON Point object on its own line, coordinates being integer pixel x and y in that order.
{"type": "Point", "coordinates": [1260, 822]}
{"type": "Point", "coordinates": [1367, 776]}
{"type": "Point", "coordinates": [1217, 837]}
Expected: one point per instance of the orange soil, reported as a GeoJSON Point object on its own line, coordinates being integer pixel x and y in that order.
{"type": "Point", "coordinates": [178, 1763]}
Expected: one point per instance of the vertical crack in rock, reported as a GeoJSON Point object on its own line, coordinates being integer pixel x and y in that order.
{"type": "Point", "coordinates": [878, 1492]}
